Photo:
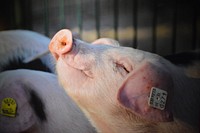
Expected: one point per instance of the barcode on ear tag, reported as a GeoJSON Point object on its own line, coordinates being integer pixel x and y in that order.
{"type": "Point", "coordinates": [157, 98]}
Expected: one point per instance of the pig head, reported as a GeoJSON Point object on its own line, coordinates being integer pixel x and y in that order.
{"type": "Point", "coordinates": [122, 89]}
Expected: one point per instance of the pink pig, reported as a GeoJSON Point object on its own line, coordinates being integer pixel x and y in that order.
{"type": "Point", "coordinates": [125, 90]}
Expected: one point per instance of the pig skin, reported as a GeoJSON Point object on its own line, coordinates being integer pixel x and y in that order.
{"type": "Point", "coordinates": [95, 75]}
{"type": "Point", "coordinates": [19, 45]}
{"type": "Point", "coordinates": [42, 106]}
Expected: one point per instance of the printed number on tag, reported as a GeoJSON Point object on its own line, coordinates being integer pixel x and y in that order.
{"type": "Point", "coordinates": [157, 98]}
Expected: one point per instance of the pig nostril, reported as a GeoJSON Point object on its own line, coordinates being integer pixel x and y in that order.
{"type": "Point", "coordinates": [63, 44]}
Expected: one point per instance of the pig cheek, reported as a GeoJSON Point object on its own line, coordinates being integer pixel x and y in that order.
{"type": "Point", "coordinates": [140, 89]}
{"type": "Point", "coordinates": [69, 77]}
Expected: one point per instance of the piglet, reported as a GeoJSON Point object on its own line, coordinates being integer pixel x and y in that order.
{"type": "Point", "coordinates": [125, 90]}
{"type": "Point", "coordinates": [32, 102]}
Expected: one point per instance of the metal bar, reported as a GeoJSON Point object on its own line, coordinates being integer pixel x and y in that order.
{"type": "Point", "coordinates": [18, 14]}
{"type": "Point", "coordinates": [116, 15]}
{"type": "Point", "coordinates": [174, 26]}
{"type": "Point", "coordinates": [62, 13]}
{"type": "Point", "coordinates": [135, 26]}
{"type": "Point", "coordinates": [30, 16]}
{"type": "Point", "coordinates": [154, 26]}
{"type": "Point", "coordinates": [46, 17]}
{"type": "Point", "coordinates": [79, 16]}
{"type": "Point", "coordinates": [27, 14]}
{"type": "Point", "coordinates": [194, 39]}
{"type": "Point", "coordinates": [97, 17]}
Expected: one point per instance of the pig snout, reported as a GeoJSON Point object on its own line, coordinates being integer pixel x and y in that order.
{"type": "Point", "coordinates": [61, 43]}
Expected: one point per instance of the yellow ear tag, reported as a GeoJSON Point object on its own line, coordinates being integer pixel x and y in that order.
{"type": "Point", "coordinates": [8, 107]}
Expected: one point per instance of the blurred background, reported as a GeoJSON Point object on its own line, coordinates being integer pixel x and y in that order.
{"type": "Point", "coordinates": [159, 26]}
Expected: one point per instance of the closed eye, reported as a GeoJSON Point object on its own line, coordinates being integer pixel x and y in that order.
{"type": "Point", "coordinates": [121, 69]}
{"type": "Point", "coordinates": [88, 73]}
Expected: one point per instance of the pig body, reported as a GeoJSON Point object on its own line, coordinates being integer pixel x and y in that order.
{"type": "Point", "coordinates": [42, 106]}
{"type": "Point", "coordinates": [113, 87]}
{"type": "Point", "coordinates": [17, 46]}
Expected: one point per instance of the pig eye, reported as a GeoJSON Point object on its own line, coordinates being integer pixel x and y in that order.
{"type": "Point", "coordinates": [88, 73]}
{"type": "Point", "coordinates": [122, 69]}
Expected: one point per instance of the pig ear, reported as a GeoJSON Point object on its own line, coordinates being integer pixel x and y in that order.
{"type": "Point", "coordinates": [106, 41]}
{"type": "Point", "coordinates": [35, 57]}
{"type": "Point", "coordinates": [147, 93]}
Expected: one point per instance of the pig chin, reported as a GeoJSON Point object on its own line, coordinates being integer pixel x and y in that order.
{"type": "Point", "coordinates": [69, 76]}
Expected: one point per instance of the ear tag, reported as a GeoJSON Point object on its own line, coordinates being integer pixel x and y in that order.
{"type": "Point", "coordinates": [8, 107]}
{"type": "Point", "coordinates": [158, 98]}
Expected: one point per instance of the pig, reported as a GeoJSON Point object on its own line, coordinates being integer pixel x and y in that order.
{"type": "Point", "coordinates": [126, 90]}
{"type": "Point", "coordinates": [18, 47]}
{"type": "Point", "coordinates": [39, 105]}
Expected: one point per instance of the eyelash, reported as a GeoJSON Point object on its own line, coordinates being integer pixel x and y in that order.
{"type": "Point", "coordinates": [87, 73]}
{"type": "Point", "coordinates": [121, 66]}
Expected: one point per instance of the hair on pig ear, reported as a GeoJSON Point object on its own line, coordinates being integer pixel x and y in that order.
{"type": "Point", "coordinates": [147, 93]}
{"type": "Point", "coordinates": [106, 41]}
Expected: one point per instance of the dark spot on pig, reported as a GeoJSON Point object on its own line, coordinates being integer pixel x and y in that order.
{"type": "Point", "coordinates": [144, 78]}
{"type": "Point", "coordinates": [18, 64]}
{"type": "Point", "coordinates": [37, 105]}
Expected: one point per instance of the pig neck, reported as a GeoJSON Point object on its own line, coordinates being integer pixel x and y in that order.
{"type": "Point", "coordinates": [99, 120]}
{"type": "Point", "coordinates": [115, 119]}
{"type": "Point", "coordinates": [119, 120]}
{"type": "Point", "coordinates": [123, 123]}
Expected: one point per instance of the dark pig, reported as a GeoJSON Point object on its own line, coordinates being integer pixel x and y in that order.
{"type": "Point", "coordinates": [125, 90]}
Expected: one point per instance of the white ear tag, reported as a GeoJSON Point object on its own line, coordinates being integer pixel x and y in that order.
{"type": "Point", "coordinates": [158, 98]}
